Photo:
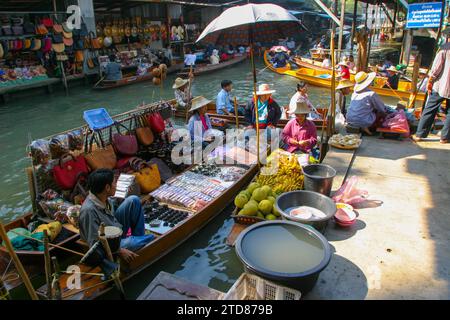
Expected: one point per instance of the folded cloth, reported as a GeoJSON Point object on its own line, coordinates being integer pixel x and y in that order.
{"type": "Point", "coordinates": [20, 240]}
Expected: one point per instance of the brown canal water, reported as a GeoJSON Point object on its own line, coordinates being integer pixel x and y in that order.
{"type": "Point", "coordinates": [205, 258]}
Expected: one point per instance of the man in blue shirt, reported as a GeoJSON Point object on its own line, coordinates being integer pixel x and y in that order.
{"type": "Point", "coordinates": [224, 104]}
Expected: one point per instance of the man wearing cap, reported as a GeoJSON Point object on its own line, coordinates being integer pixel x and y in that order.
{"type": "Point", "coordinates": [300, 134]}
{"type": "Point", "coordinates": [366, 107]}
{"type": "Point", "coordinates": [438, 90]}
{"type": "Point", "coordinates": [269, 111]}
{"type": "Point", "coordinates": [181, 92]}
{"type": "Point", "coordinates": [342, 91]}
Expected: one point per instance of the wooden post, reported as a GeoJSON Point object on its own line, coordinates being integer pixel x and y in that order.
{"type": "Point", "coordinates": [17, 263]}
{"type": "Point", "coordinates": [189, 94]}
{"type": "Point", "coordinates": [394, 22]}
{"type": "Point", "coordinates": [56, 286]}
{"type": "Point", "coordinates": [355, 12]}
{"type": "Point", "coordinates": [48, 266]}
{"type": "Point", "coordinates": [236, 113]}
{"type": "Point", "coordinates": [415, 76]}
{"type": "Point", "coordinates": [341, 30]}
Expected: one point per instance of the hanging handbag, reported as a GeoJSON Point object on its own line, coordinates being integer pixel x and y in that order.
{"type": "Point", "coordinates": [156, 122]}
{"type": "Point", "coordinates": [143, 133]}
{"type": "Point", "coordinates": [79, 56]}
{"type": "Point", "coordinates": [29, 27]}
{"type": "Point", "coordinates": [47, 22]}
{"type": "Point", "coordinates": [100, 158]}
{"type": "Point", "coordinates": [94, 43]}
{"type": "Point", "coordinates": [17, 30]}
{"type": "Point", "coordinates": [41, 30]}
{"type": "Point", "coordinates": [7, 30]}
{"type": "Point", "coordinates": [66, 174]}
{"type": "Point", "coordinates": [57, 38]}
{"type": "Point", "coordinates": [125, 144]}
{"type": "Point", "coordinates": [90, 62]}
{"type": "Point", "coordinates": [148, 178]}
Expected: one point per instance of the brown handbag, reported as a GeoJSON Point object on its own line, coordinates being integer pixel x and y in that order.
{"type": "Point", "coordinates": [100, 158]}
{"type": "Point", "coordinates": [79, 56]}
{"type": "Point", "coordinates": [143, 132]}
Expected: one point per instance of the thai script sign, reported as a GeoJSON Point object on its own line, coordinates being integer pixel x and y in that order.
{"type": "Point", "coordinates": [424, 15]}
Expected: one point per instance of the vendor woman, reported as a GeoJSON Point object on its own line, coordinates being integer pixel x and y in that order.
{"type": "Point", "coordinates": [299, 134]}
{"type": "Point", "coordinates": [269, 111]}
{"type": "Point", "coordinates": [199, 122]}
{"type": "Point", "coordinates": [181, 92]}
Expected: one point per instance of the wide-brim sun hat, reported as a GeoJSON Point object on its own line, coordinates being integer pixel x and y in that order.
{"type": "Point", "coordinates": [393, 69]}
{"type": "Point", "coordinates": [107, 42]}
{"type": "Point", "coordinates": [179, 82]}
{"type": "Point", "coordinates": [363, 80]}
{"type": "Point", "coordinates": [199, 102]}
{"type": "Point", "coordinates": [344, 84]}
{"type": "Point", "coordinates": [301, 108]}
{"type": "Point", "coordinates": [264, 89]}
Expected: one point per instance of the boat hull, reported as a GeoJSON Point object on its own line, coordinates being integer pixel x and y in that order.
{"type": "Point", "coordinates": [204, 69]}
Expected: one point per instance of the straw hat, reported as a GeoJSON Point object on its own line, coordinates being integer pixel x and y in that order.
{"type": "Point", "coordinates": [198, 102]}
{"type": "Point", "coordinates": [343, 63]}
{"type": "Point", "coordinates": [179, 82]}
{"type": "Point", "coordinates": [344, 84]}
{"type": "Point", "coordinates": [302, 108]}
{"type": "Point", "coordinates": [264, 89]}
{"type": "Point", "coordinates": [363, 80]}
{"type": "Point", "coordinates": [393, 69]}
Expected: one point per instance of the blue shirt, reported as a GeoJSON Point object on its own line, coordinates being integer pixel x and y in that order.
{"type": "Point", "coordinates": [364, 104]}
{"type": "Point", "coordinates": [196, 128]}
{"type": "Point", "coordinates": [223, 102]}
{"type": "Point", "coordinates": [263, 111]}
{"type": "Point", "coordinates": [113, 71]}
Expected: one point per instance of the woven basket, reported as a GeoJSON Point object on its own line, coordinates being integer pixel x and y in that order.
{"type": "Point", "coordinates": [252, 287]}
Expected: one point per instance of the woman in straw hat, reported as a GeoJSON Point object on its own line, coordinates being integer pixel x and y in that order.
{"type": "Point", "coordinates": [299, 134]}
{"type": "Point", "coordinates": [181, 92]}
{"type": "Point", "coordinates": [342, 91]}
{"type": "Point", "coordinates": [366, 109]}
{"type": "Point", "coordinates": [199, 122]}
{"type": "Point", "coordinates": [300, 95]}
{"type": "Point", "coordinates": [344, 71]}
{"type": "Point", "coordinates": [269, 111]}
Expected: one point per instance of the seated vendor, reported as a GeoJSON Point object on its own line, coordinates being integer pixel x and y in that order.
{"type": "Point", "coordinates": [299, 134]}
{"type": "Point", "coordinates": [224, 104]}
{"type": "Point", "coordinates": [214, 57]}
{"type": "Point", "coordinates": [269, 112]}
{"type": "Point", "coordinates": [181, 92]}
{"type": "Point", "coordinates": [113, 69]}
{"type": "Point", "coordinates": [393, 77]}
{"type": "Point", "coordinates": [199, 122]}
{"type": "Point", "coordinates": [366, 109]}
{"type": "Point", "coordinates": [97, 209]}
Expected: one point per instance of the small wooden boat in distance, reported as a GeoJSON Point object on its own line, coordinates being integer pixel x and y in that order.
{"type": "Point", "coordinates": [206, 68]}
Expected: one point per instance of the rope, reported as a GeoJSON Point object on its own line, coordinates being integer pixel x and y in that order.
{"type": "Point", "coordinates": [50, 244]}
{"type": "Point", "coordinates": [389, 86]}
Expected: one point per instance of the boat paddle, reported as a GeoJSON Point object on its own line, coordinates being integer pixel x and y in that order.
{"type": "Point", "coordinates": [101, 79]}
{"type": "Point", "coordinates": [191, 79]}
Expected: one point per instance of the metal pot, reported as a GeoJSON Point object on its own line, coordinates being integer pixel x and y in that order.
{"type": "Point", "coordinates": [303, 281]}
{"type": "Point", "coordinates": [313, 199]}
{"type": "Point", "coordinates": [319, 178]}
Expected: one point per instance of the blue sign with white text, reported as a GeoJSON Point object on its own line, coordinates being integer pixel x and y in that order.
{"type": "Point", "coordinates": [424, 15]}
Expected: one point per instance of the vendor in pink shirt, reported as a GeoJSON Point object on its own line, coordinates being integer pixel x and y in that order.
{"type": "Point", "coordinates": [299, 134]}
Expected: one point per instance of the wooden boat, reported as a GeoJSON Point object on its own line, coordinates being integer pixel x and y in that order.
{"type": "Point", "coordinates": [67, 238]}
{"type": "Point", "coordinates": [321, 78]}
{"type": "Point", "coordinates": [132, 79]}
{"type": "Point", "coordinates": [206, 68]}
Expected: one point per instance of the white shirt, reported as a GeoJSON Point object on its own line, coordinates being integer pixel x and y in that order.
{"type": "Point", "coordinates": [189, 59]}
{"type": "Point", "coordinates": [326, 63]}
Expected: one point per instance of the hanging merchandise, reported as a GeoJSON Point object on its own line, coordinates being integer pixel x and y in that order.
{"type": "Point", "coordinates": [29, 27]}
{"type": "Point", "coordinates": [17, 28]}
{"type": "Point", "coordinates": [66, 173]}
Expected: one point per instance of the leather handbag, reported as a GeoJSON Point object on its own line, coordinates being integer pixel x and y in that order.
{"type": "Point", "coordinates": [103, 157]}
{"type": "Point", "coordinates": [57, 28]}
{"type": "Point", "coordinates": [66, 174]}
{"type": "Point", "coordinates": [29, 27]}
{"type": "Point", "coordinates": [148, 178]}
{"type": "Point", "coordinates": [78, 44]}
{"type": "Point", "coordinates": [47, 47]}
{"type": "Point", "coordinates": [41, 30]}
{"type": "Point", "coordinates": [94, 42]}
{"type": "Point", "coordinates": [125, 144]}
{"type": "Point", "coordinates": [90, 62]}
{"type": "Point", "coordinates": [143, 133]}
{"type": "Point", "coordinates": [156, 122]}
{"type": "Point", "coordinates": [17, 30]}
{"type": "Point", "coordinates": [79, 56]}
{"type": "Point", "coordinates": [47, 22]}
{"type": "Point", "coordinates": [7, 30]}
{"type": "Point", "coordinates": [57, 38]}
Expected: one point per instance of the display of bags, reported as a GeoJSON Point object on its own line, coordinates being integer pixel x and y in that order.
{"type": "Point", "coordinates": [66, 174]}
{"type": "Point", "coordinates": [148, 178]}
{"type": "Point", "coordinates": [29, 27]}
{"type": "Point", "coordinates": [143, 133]}
{"type": "Point", "coordinates": [125, 144]}
{"type": "Point", "coordinates": [41, 30]}
{"type": "Point", "coordinates": [156, 122]}
{"type": "Point", "coordinates": [94, 42]}
{"type": "Point", "coordinates": [101, 157]}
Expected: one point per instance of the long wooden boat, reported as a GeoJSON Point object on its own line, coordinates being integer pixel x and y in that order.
{"type": "Point", "coordinates": [322, 78]}
{"type": "Point", "coordinates": [110, 84]}
{"type": "Point", "coordinates": [206, 68]}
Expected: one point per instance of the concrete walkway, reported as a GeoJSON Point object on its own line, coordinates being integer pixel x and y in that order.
{"type": "Point", "coordinates": [400, 246]}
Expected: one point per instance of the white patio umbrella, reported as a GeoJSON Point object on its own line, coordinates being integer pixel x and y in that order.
{"type": "Point", "coordinates": [248, 24]}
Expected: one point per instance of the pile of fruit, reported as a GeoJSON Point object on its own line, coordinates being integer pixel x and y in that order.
{"type": "Point", "coordinates": [283, 174]}
{"type": "Point", "coordinates": [257, 200]}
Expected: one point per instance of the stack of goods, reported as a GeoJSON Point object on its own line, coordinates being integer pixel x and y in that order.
{"type": "Point", "coordinates": [282, 173]}
{"type": "Point", "coordinates": [21, 75]}
{"type": "Point", "coordinates": [350, 141]}
{"type": "Point", "coordinates": [258, 201]}
{"type": "Point", "coordinates": [126, 186]}
{"type": "Point", "coordinates": [157, 216]}
{"type": "Point", "coordinates": [189, 190]}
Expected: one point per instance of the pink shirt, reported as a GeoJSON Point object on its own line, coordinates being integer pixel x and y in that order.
{"type": "Point", "coordinates": [205, 125]}
{"type": "Point", "coordinates": [300, 132]}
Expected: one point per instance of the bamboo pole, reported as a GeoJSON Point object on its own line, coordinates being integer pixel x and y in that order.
{"type": "Point", "coordinates": [17, 263]}
{"type": "Point", "coordinates": [333, 85]}
{"type": "Point", "coordinates": [415, 76]}
{"type": "Point", "coordinates": [48, 267]}
{"type": "Point", "coordinates": [341, 29]}
{"type": "Point", "coordinates": [56, 286]}
{"type": "Point", "coordinates": [236, 113]}
{"type": "Point", "coordinates": [255, 99]}
{"type": "Point", "coordinates": [355, 11]}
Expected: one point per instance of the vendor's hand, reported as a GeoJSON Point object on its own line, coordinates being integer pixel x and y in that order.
{"type": "Point", "coordinates": [429, 86]}
{"type": "Point", "coordinates": [302, 143]}
{"type": "Point", "coordinates": [127, 255]}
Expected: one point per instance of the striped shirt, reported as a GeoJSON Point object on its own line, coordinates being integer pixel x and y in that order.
{"type": "Point", "coordinates": [440, 71]}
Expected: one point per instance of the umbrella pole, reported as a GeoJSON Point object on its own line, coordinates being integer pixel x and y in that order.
{"type": "Point", "coordinates": [255, 97]}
